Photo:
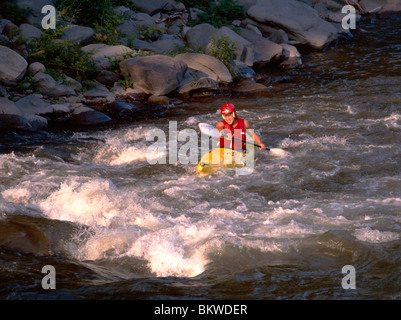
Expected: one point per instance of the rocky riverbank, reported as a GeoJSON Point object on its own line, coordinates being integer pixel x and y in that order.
{"type": "Point", "coordinates": [159, 53]}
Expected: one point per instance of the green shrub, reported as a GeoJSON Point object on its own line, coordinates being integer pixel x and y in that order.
{"type": "Point", "coordinates": [223, 49]}
{"type": "Point", "coordinates": [13, 12]}
{"type": "Point", "coordinates": [125, 3]}
{"type": "Point", "coordinates": [150, 33]}
{"type": "Point", "coordinates": [62, 56]}
{"type": "Point", "coordinates": [216, 14]}
{"type": "Point", "coordinates": [87, 12]}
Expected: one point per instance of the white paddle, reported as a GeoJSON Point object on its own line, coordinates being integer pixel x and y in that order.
{"type": "Point", "coordinates": [209, 130]}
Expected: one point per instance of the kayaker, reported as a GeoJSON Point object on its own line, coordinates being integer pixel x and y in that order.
{"type": "Point", "coordinates": [234, 127]}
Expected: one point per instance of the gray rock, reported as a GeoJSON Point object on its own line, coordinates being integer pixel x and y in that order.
{"type": "Point", "coordinates": [72, 84]}
{"type": "Point", "coordinates": [371, 6]}
{"type": "Point", "coordinates": [36, 67]}
{"type": "Point", "coordinates": [9, 107]}
{"type": "Point", "coordinates": [10, 29]}
{"type": "Point", "coordinates": [13, 122]}
{"type": "Point", "coordinates": [152, 7]}
{"type": "Point", "coordinates": [16, 116]}
{"type": "Point", "coordinates": [159, 100]}
{"type": "Point", "coordinates": [199, 87]}
{"type": "Point", "coordinates": [85, 116]}
{"type": "Point", "coordinates": [28, 32]}
{"type": "Point", "coordinates": [146, 46]}
{"type": "Point", "coordinates": [242, 70]}
{"type": "Point", "coordinates": [279, 36]}
{"type": "Point", "coordinates": [94, 94]}
{"type": "Point", "coordinates": [102, 54]}
{"type": "Point", "coordinates": [241, 42]}
{"type": "Point", "coordinates": [292, 55]}
{"type": "Point", "coordinates": [134, 94]}
{"type": "Point", "coordinates": [36, 122]}
{"type": "Point", "coordinates": [12, 65]}
{"type": "Point", "coordinates": [50, 87]}
{"type": "Point", "coordinates": [78, 34]}
{"type": "Point", "coordinates": [60, 108]}
{"type": "Point", "coordinates": [246, 4]}
{"type": "Point", "coordinates": [210, 66]}
{"type": "Point", "coordinates": [108, 78]}
{"type": "Point", "coordinates": [198, 37]}
{"type": "Point", "coordinates": [129, 28]}
{"type": "Point", "coordinates": [250, 87]}
{"type": "Point", "coordinates": [169, 45]}
{"type": "Point", "coordinates": [264, 50]}
{"type": "Point", "coordinates": [254, 29]}
{"type": "Point", "coordinates": [33, 104]}
{"type": "Point", "coordinates": [296, 18]}
{"type": "Point", "coordinates": [157, 74]}
{"type": "Point", "coordinates": [3, 91]}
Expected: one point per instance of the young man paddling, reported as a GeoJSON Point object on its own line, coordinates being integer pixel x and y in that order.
{"type": "Point", "coordinates": [235, 129]}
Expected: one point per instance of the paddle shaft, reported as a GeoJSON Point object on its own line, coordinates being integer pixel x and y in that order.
{"type": "Point", "coordinates": [252, 143]}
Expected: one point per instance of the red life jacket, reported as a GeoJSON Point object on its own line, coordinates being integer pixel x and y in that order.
{"type": "Point", "coordinates": [238, 132]}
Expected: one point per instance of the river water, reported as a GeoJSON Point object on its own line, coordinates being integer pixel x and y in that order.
{"type": "Point", "coordinates": [114, 226]}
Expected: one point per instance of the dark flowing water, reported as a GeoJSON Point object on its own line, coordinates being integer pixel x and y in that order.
{"type": "Point", "coordinates": [116, 227]}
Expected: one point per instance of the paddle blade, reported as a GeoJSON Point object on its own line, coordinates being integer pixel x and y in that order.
{"type": "Point", "coordinates": [277, 152]}
{"type": "Point", "coordinates": [209, 130]}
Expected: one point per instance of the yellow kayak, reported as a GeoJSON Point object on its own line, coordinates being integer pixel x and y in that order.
{"type": "Point", "coordinates": [225, 158]}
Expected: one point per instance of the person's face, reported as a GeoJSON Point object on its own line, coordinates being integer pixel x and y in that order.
{"type": "Point", "coordinates": [229, 117]}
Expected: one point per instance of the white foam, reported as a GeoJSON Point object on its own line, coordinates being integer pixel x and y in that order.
{"type": "Point", "coordinates": [88, 201]}
{"type": "Point", "coordinates": [322, 142]}
{"type": "Point", "coordinates": [123, 149]}
{"type": "Point", "coordinates": [375, 236]}
{"type": "Point", "coordinates": [180, 250]}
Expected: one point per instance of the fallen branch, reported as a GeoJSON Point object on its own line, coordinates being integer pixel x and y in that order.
{"type": "Point", "coordinates": [35, 54]}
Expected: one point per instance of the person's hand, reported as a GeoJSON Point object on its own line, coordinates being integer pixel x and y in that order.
{"type": "Point", "coordinates": [262, 146]}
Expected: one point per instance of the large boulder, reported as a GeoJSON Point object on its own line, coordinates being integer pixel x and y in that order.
{"type": "Point", "coordinates": [250, 46]}
{"type": "Point", "coordinates": [169, 44]}
{"type": "Point", "coordinates": [265, 52]}
{"type": "Point", "coordinates": [156, 75]}
{"type": "Point", "coordinates": [240, 43]}
{"type": "Point", "coordinates": [195, 86]}
{"type": "Point", "coordinates": [33, 104]}
{"type": "Point", "coordinates": [12, 65]}
{"type": "Point", "coordinates": [133, 22]}
{"type": "Point", "coordinates": [296, 18]}
{"type": "Point", "coordinates": [152, 7]}
{"type": "Point", "coordinates": [78, 34]}
{"type": "Point", "coordinates": [198, 37]}
{"type": "Point", "coordinates": [210, 66]}
{"type": "Point", "coordinates": [102, 54]}
{"type": "Point", "coordinates": [204, 75]}
{"type": "Point", "coordinates": [11, 117]}
{"type": "Point", "coordinates": [28, 32]}
{"type": "Point", "coordinates": [85, 116]}
{"type": "Point", "coordinates": [389, 8]}
{"type": "Point", "coordinates": [51, 87]}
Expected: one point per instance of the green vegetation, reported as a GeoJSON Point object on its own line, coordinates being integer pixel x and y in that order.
{"type": "Point", "coordinates": [224, 50]}
{"type": "Point", "coordinates": [150, 33]}
{"type": "Point", "coordinates": [216, 14]}
{"type": "Point", "coordinates": [87, 12]}
{"type": "Point", "coordinates": [61, 56]}
{"type": "Point", "coordinates": [13, 12]}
